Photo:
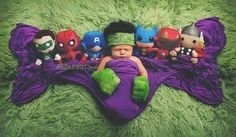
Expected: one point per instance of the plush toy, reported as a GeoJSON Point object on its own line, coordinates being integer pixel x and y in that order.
{"type": "Point", "coordinates": [44, 43]}
{"type": "Point", "coordinates": [120, 38]}
{"type": "Point", "coordinates": [93, 44]}
{"type": "Point", "coordinates": [192, 43]}
{"type": "Point", "coordinates": [166, 40]}
{"type": "Point", "coordinates": [67, 43]}
{"type": "Point", "coordinates": [144, 38]}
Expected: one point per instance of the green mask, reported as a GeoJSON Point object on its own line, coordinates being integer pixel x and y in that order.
{"type": "Point", "coordinates": [121, 38]}
{"type": "Point", "coordinates": [44, 46]}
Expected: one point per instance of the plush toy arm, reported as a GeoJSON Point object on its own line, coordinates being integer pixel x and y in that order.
{"type": "Point", "coordinates": [83, 60]}
{"type": "Point", "coordinates": [140, 89]}
{"type": "Point", "coordinates": [153, 50]}
{"type": "Point", "coordinates": [175, 51]}
{"type": "Point", "coordinates": [78, 52]}
{"type": "Point", "coordinates": [107, 80]}
{"type": "Point", "coordinates": [58, 58]}
{"type": "Point", "coordinates": [38, 62]}
{"type": "Point", "coordinates": [194, 58]}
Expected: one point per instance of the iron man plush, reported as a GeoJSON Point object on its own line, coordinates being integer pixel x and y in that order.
{"type": "Point", "coordinates": [166, 40]}
{"type": "Point", "coordinates": [67, 42]}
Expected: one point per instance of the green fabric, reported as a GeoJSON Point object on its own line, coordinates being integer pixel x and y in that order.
{"type": "Point", "coordinates": [107, 80]}
{"type": "Point", "coordinates": [70, 110]}
{"type": "Point", "coordinates": [140, 89]}
{"type": "Point", "coordinates": [120, 39]}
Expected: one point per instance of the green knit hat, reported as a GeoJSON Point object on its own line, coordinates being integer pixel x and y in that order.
{"type": "Point", "coordinates": [120, 39]}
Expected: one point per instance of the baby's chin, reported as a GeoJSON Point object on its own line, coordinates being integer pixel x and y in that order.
{"type": "Point", "coordinates": [121, 57]}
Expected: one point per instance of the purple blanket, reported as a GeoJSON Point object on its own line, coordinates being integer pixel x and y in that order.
{"type": "Point", "coordinates": [198, 80]}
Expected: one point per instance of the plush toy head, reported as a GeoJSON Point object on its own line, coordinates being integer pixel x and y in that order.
{"type": "Point", "coordinates": [191, 37]}
{"type": "Point", "coordinates": [93, 41]}
{"type": "Point", "coordinates": [144, 37]}
{"type": "Point", "coordinates": [67, 41]}
{"type": "Point", "coordinates": [167, 38]}
{"type": "Point", "coordinates": [120, 37]}
{"type": "Point", "coordinates": [44, 41]}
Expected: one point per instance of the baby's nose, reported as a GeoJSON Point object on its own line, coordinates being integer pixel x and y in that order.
{"type": "Point", "coordinates": [122, 52]}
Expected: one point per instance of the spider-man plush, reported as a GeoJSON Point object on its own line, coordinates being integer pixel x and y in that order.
{"type": "Point", "coordinates": [166, 40]}
{"type": "Point", "coordinates": [67, 42]}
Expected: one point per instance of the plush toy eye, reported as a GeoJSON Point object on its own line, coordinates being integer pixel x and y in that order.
{"type": "Point", "coordinates": [61, 45]}
{"type": "Point", "coordinates": [194, 41]}
{"type": "Point", "coordinates": [72, 42]}
{"type": "Point", "coordinates": [151, 39]}
{"type": "Point", "coordinates": [182, 38]}
{"type": "Point", "coordinates": [140, 38]}
{"type": "Point", "coordinates": [47, 44]}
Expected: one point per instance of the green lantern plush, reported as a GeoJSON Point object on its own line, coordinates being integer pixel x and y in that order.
{"type": "Point", "coordinates": [44, 43]}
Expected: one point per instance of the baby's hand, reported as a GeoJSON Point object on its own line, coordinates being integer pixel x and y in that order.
{"type": "Point", "coordinates": [107, 80]}
{"type": "Point", "coordinates": [38, 62]}
{"type": "Point", "coordinates": [140, 89]}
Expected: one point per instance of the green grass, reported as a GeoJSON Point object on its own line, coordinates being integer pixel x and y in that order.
{"type": "Point", "coordinates": [69, 110]}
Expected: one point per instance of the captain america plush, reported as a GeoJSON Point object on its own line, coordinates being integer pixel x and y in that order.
{"type": "Point", "coordinates": [93, 44]}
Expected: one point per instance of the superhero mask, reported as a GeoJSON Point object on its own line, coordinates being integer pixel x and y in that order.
{"type": "Point", "coordinates": [44, 44]}
{"type": "Point", "coordinates": [67, 42]}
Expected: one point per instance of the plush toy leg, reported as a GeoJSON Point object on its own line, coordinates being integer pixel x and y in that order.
{"type": "Point", "coordinates": [107, 80]}
{"type": "Point", "coordinates": [140, 89]}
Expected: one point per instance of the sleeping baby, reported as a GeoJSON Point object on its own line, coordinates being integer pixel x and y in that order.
{"type": "Point", "coordinates": [120, 38]}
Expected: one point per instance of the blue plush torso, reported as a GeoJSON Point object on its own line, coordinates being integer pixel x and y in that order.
{"type": "Point", "coordinates": [92, 40]}
{"type": "Point", "coordinates": [94, 54]}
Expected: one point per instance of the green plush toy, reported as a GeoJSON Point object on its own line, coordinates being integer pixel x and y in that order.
{"type": "Point", "coordinates": [106, 76]}
{"type": "Point", "coordinates": [140, 89]}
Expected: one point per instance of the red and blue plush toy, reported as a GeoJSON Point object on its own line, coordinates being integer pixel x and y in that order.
{"type": "Point", "coordinates": [93, 45]}
{"type": "Point", "coordinates": [144, 39]}
{"type": "Point", "coordinates": [67, 44]}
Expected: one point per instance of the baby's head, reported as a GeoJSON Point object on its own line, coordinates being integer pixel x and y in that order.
{"type": "Point", "coordinates": [120, 38]}
{"type": "Point", "coordinates": [121, 51]}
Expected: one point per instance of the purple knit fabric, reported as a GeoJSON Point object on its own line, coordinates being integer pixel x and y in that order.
{"type": "Point", "coordinates": [198, 80]}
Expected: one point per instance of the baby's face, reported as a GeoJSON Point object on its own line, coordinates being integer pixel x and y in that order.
{"type": "Point", "coordinates": [122, 51]}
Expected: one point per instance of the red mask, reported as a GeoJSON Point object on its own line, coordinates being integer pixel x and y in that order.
{"type": "Point", "coordinates": [67, 41]}
{"type": "Point", "coordinates": [167, 38]}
